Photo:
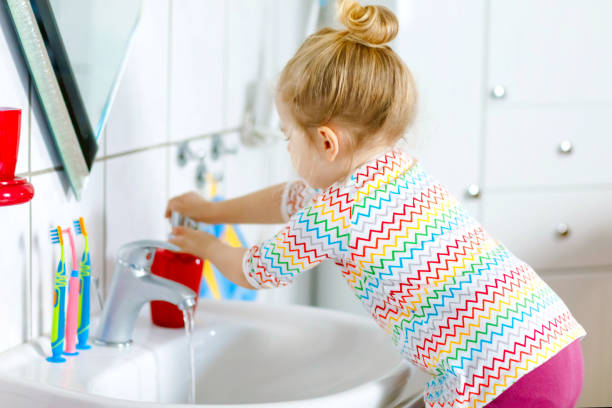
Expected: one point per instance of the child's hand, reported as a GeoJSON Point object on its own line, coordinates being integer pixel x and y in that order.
{"type": "Point", "coordinates": [191, 205]}
{"type": "Point", "coordinates": [198, 243]}
{"type": "Point", "coordinates": [227, 259]}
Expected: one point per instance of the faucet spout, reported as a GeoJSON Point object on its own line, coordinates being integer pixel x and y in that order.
{"type": "Point", "coordinates": [132, 287]}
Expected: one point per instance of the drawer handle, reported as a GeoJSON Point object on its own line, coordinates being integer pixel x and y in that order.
{"type": "Point", "coordinates": [563, 230]}
{"type": "Point", "coordinates": [498, 92]}
{"type": "Point", "coordinates": [473, 191]}
{"type": "Point", "coordinates": [565, 147]}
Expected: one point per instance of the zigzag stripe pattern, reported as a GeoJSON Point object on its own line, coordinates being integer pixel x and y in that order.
{"type": "Point", "coordinates": [316, 232]}
{"type": "Point", "coordinates": [295, 197]}
{"type": "Point", "coordinates": [455, 301]}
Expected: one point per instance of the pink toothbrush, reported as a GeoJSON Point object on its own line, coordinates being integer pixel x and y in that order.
{"type": "Point", "coordinates": [72, 312]}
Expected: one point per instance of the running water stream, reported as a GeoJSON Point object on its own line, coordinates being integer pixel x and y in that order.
{"type": "Point", "coordinates": [189, 322]}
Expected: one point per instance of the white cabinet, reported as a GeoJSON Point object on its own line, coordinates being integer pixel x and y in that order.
{"type": "Point", "coordinates": [552, 229]}
{"type": "Point", "coordinates": [551, 51]}
{"type": "Point", "coordinates": [441, 42]}
{"type": "Point", "coordinates": [547, 169]}
{"type": "Point", "coordinates": [566, 145]}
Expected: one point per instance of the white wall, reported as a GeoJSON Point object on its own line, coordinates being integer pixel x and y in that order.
{"type": "Point", "coordinates": [186, 76]}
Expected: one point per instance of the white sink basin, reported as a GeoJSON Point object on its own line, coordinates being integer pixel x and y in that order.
{"type": "Point", "coordinates": [246, 355]}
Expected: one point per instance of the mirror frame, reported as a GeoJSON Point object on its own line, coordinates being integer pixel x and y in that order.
{"type": "Point", "coordinates": [57, 88]}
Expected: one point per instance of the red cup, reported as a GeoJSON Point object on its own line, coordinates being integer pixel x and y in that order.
{"type": "Point", "coordinates": [13, 190]}
{"type": "Point", "coordinates": [179, 267]}
{"type": "Point", "coordinates": [10, 123]}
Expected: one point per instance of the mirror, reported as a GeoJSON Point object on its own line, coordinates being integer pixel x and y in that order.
{"type": "Point", "coordinates": [75, 51]}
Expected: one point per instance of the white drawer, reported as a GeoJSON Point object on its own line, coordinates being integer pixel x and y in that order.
{"type": "Point", "coordinates": [527, 224]}
{"type": "Point", "coordinates": [524, 146]}
{"type": "Point", "coordinates": [551, 51]}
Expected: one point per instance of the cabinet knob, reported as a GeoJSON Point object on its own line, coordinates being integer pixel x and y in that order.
{"type": "Point", "coordinates": [473, 190]}
{"type": "Point", "coordinates": [565, 146]}
{"type": "Point", "coordinates": [563, 230]}
{"type": "Point", "coordinates": [498, 92]}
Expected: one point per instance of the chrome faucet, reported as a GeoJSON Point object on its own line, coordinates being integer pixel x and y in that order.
{"type": "Point", "coordinates": [132, 287]}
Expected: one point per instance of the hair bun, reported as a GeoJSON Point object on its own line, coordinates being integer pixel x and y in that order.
{"type": "Point", "coordinates": [373, 25]}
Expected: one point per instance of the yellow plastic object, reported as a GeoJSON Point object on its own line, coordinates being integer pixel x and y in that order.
{"type": "Point", "coordinates": [231, 237]}
{"type": "Point", "coordinates": [211, 182]}
{"type": "Point", "coordinates": [208, 272]}
{"type": "Point", "coordinates": [211, 280]}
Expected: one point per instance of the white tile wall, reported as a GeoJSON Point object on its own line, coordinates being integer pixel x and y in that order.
{"type": "Point", "coordinates": [178, 82]}
{"type": "Point", "coordinates": [198, 67]}
{"type": "Point", "coordinates": [243, 35]}
{"type": "Point", "coordinates": [14, 267]}
{"type": "Point", "coordinates": [139, 114]}
{"type": "Point", "coordinates": [135, 201]}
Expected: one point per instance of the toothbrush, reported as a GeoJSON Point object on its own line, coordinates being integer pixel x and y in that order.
{"type": "Point", "coordinates": [72, 312]}
{"type": "Point", "coordinates": [84, 297]}
{"type": "Point", "coordinates": [57, 332]}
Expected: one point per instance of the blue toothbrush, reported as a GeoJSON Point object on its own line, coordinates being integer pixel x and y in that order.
{"type": "Point", "coordinates": [59, 300]}
{"type": "Point", "coordinates": [84, 294]}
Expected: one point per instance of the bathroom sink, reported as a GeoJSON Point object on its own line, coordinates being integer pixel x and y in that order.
{"type": "Point", "coordinates": [246, 354]}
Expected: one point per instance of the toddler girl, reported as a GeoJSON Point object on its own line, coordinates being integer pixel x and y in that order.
{"type": "Point", "coordinates": [454, 300]}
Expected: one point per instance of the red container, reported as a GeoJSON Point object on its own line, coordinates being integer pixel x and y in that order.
{"type": "Point", "coordinates": [180, 267]}
{"type": "Point", "coordinates": [13, 190]}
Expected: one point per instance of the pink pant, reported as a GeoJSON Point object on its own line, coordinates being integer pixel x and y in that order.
{"type": "Point", "coordinates": [557, 383]}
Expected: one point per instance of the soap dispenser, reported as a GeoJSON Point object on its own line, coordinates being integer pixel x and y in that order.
{"type": "Point", "coordinates": [13, 190]}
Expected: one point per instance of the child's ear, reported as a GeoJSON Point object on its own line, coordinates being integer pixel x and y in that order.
{"type": "Point", "coordinates": [327, 141]}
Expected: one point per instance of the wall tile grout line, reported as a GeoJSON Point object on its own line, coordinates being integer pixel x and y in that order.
{"type": "Point", "coordinates": [562, 188]}
{"type": "Point", "coordinates": [556, 105]}
{"type": "Point", "coordinates": [29, 320]}
{"type": "Point", "coordinates": [169, 97]}
{"type": "Point", "coordinates": [484, 106]}
{"type": "Point", "coordinates": [226, 42]}
{"type": "Point", "coordinates": [102, 276]}
{"type": "Point", "coordinates": [138, 150]}
{"type": "Point", "coordinates": [569, 270]}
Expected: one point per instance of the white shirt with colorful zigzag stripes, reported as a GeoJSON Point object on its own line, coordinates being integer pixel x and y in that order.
{"type": "Point", "coordinates": [455, 301]}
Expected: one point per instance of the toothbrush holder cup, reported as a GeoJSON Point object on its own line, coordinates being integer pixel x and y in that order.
{"type": "Point", "coordinates": [13, 190]}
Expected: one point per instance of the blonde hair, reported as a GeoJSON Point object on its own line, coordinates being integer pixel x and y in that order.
{"type": "Point", "coordinates": [351, 77]}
